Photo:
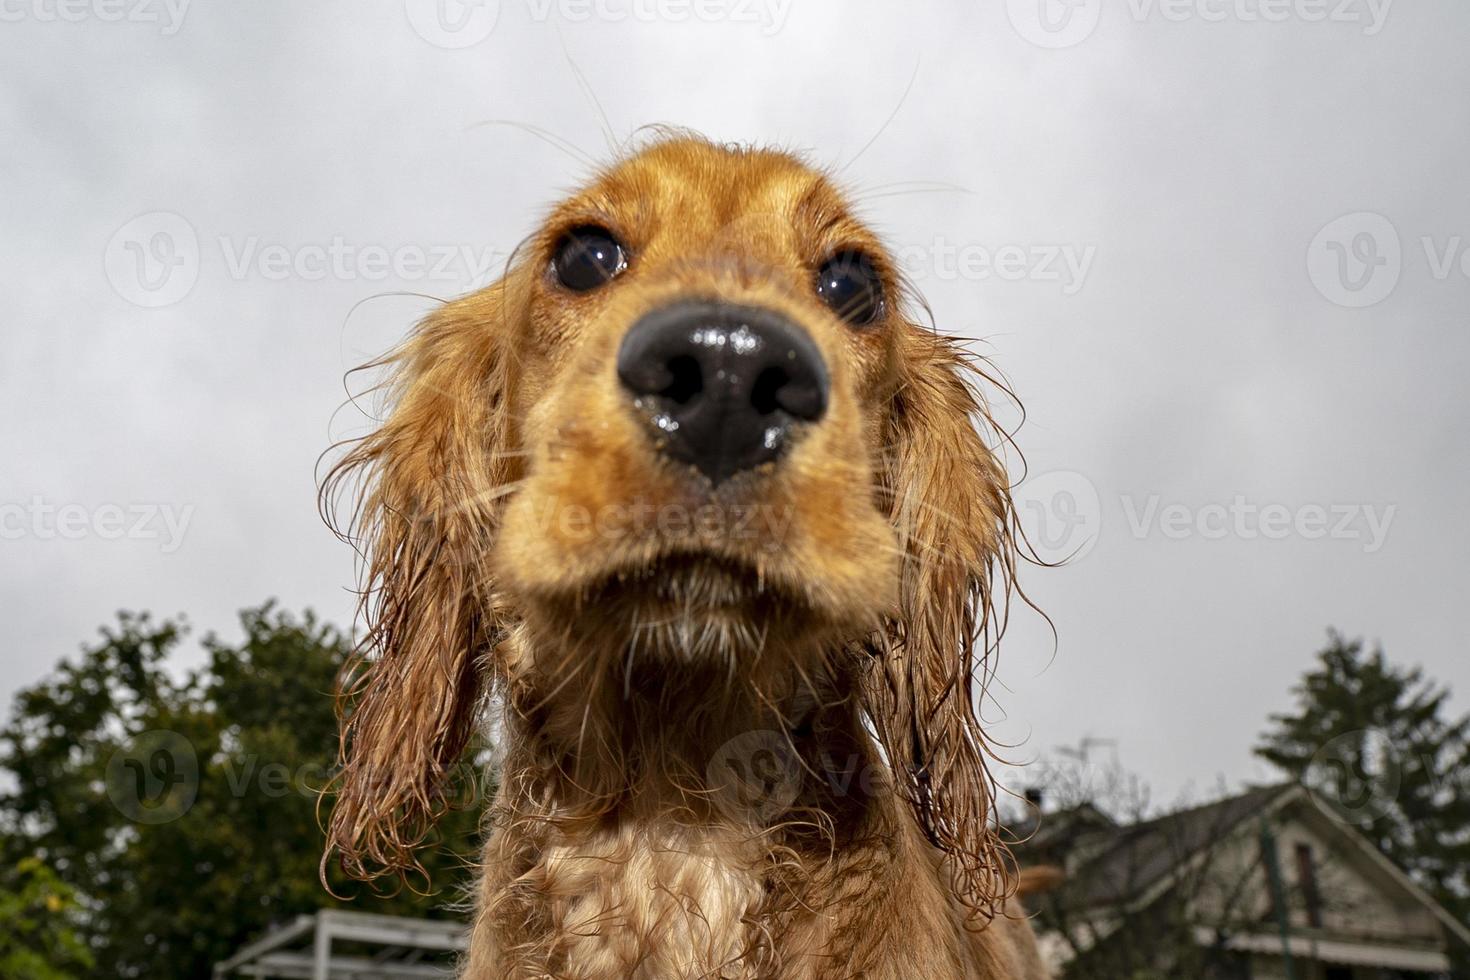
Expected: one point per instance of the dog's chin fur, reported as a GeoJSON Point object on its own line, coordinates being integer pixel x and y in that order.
{"type": "Point", "coordinates": [683, 602]}
{"type": "Point", "coordinates": [688, 593]}
{"type": "Point", "coordinates": [840, 635]}
{"type": "Point", "coordinates": [694, 626]}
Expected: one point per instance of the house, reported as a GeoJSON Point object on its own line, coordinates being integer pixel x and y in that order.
{"type": "Point", "coordinates": [1268, 884]}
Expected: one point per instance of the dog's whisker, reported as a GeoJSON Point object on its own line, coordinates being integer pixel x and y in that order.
{"type": "Point", "coordinates": [886, 122]}
{"type": "Point", "coordinates": [546, 136]}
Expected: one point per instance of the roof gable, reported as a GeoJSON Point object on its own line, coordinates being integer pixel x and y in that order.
{"type": "Point", "coordinates": [1133, 865]}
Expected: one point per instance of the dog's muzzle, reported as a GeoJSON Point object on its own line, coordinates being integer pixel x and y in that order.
{"type": "Point", "coordinates": [724, 386]}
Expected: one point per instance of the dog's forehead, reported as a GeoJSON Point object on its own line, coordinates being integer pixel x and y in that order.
{"type": "Point", "coordinates": [691, 187]}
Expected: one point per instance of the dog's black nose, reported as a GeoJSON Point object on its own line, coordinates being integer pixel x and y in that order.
{"type": "Point", "coordinates": [725, 385]}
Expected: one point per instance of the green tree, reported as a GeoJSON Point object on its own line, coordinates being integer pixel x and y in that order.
{"type": "Point", "coordinates": [182, 806]}
{"type": "Point", "coordinates": [38, 936]}
{"type": "Point", "coordinates": [1377, 742]}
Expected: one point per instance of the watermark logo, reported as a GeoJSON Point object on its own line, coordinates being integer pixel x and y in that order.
{"type": "Point", "coordinates": [1358, 774]}
{"type": "Point", "coordinates": [756, 776]}
{"type": "Point", "coordinates": [452, 24]}
{"type": "Point", "coordinates": [1356, 260]}
{"type": "Point", "coordinates": [1054, 24]}
{"type": "Point", "coordinates": [154, 778]}
{"type": "Point", "coordinates": [1060, 515]}
{"type": "Point", "coordinates": [153, 260]}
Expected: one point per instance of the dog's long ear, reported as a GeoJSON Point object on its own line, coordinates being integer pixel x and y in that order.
{"type": "Point", "coordinates": [426, 487]}
{"type": "Point", "coordinates": [951, 508]}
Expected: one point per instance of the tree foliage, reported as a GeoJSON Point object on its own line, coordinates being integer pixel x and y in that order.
{"type": "Point", "coordinates": [1377, 742]}
{"type": "Point", "coordinates": [38, 935]}
{"type": "Point", "coordinates": [180, 807]}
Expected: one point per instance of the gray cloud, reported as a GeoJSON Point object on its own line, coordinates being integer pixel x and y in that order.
{"type": "Point", "coordinates": [1197, 361]}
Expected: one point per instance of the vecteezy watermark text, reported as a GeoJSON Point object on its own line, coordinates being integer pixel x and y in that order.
{"type": "Point", "coordinates": [769, 15]}
{"type": "Point", "coordinates": [342, 260]}
{"type": "Point", "coordinates": [168, 14]}
{"type": "Point", "coordinates": [1246, 520]}
{"type": "Point", "coordinates": [46, 521]}
{"type": "Point", "coordinates": [155, 777]}
{"type": "Point", "coordinates": [1061, 517]}
{"type": "Point", "coordinates": [1065, 264]}
{"type": "Point", "coordinates": [454, 24]}
{"type": "Point", "coordinates": [763, 523]}
{"type": "Point", "coordinates": [1056, 24]}
{"type": "Point", "coordinates": [1371, 14]}
{"type": "Point", "coordinates": [758, 775]}
{"type": "Point", "coordinates": [154, 260]}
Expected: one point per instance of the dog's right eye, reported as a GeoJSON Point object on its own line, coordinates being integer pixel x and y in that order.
{"type": "Point", "coordinates": [848, 283]}
{"type": "Point", "coordinates": [587, 257]}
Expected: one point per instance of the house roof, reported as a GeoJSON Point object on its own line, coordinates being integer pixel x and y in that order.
{"type": "Point", "coordinates": [1122, 862]}
{"type": "Point", "coordinates": [1132, 863]}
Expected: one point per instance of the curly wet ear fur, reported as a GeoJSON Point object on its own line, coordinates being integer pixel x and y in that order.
{"type": "Point", "coordinates": [951, 507]}
{"type": "Point", "coordinates": [425, 486]}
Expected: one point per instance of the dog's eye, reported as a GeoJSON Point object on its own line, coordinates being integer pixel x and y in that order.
{"type": "Point", "coordinates": [849, 284]}
{"type": "Point", "coordinates": [587, 257]}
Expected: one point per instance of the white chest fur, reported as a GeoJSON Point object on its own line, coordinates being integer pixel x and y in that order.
{"type": "Point", "coordinates": [655, 903]}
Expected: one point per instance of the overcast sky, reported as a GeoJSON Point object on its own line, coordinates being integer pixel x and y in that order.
{"type": "Point", "coordinates": [1219, 251]}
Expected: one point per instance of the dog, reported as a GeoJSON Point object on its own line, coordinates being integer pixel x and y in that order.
{"type": "Point", "coordinates": [692, 499]}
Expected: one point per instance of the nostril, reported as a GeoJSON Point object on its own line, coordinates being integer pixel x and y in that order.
{"type": "Point", "coordinates": [686, 379]}
{"type": "Point", "coordinates": [803, 396]}
{"type": "Point", "coordinates": [765, 394]}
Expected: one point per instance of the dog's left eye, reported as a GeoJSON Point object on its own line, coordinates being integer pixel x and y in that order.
{"type": "Point", "coordinates": [849, 284]}
{"type": "Point", "coordinates": [587, 257]}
